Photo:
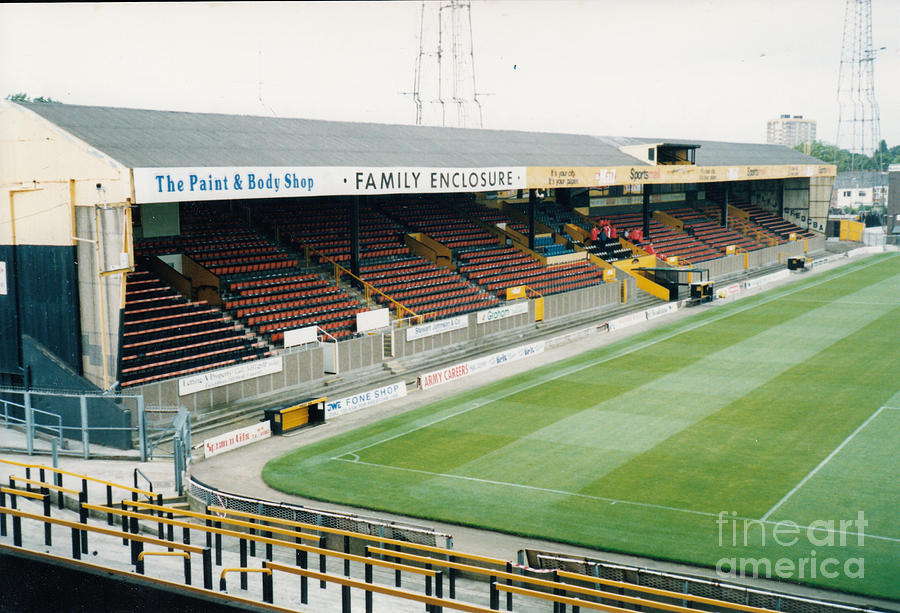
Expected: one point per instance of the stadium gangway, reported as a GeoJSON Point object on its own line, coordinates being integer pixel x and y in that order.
{"type": "Point", "coordinates": [244, 538]}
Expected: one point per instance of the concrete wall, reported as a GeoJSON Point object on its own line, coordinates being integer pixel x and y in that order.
{"type": "Point", "coordinates": [49, 373]}
{"type": "Point", "coordinates": [555, 307]}
{"type": "Point", "coordinates": [358, 353]}
{"type": "Point", "coordinates": [300, 365]}
{"type": "Point", "coordinates": [585, 299]}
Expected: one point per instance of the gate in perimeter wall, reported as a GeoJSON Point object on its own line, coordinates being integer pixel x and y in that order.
{"type": "Point", "coordinates": [211, 496]}
{"type": "Point", "coordinates": [682, 584]}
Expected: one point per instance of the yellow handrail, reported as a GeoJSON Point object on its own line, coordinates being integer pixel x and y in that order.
{"type": "Point", "coordinates": [60, 471]}
{"type": "Point", "coordinates": [179, 554]}
{"type": "Point", "coordinates": [339, 270]}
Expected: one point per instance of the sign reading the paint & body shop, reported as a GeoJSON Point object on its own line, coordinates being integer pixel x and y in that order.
{"type": "Point", "coordinates": [153, 185]}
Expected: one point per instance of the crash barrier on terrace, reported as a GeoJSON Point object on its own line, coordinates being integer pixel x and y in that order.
{"type": "Point", "coordinates": [631, 581]}
{"type": "Point", "coordinates": [203, 495]}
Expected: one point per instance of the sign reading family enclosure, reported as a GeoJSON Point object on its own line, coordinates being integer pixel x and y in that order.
{"type": "Point", "coordinates": [225, 376]}
{"type": "Point", "coordinates": [232, 183]}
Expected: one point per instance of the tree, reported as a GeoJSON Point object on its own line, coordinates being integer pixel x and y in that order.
{"type": "Point", "coordinates": [23, 97]}
{"type": "Point", "coordinates": [845, 160]}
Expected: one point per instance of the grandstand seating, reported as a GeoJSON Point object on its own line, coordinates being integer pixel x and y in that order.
{"type": "Point", "coordinates": [165, 335]}
{"type": "Point", "coordinates": [478, 247]}
{"type": "Point", "coordinates": [773, 223]}
{"type": "Point", "coordinates": [711, 232]}
{"type": "Point", "coordinates": [761, 219]}
{"type": "Point", "coordinates": [665, 241]}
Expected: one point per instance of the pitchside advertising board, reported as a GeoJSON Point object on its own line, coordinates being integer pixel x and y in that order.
{"type": "Point", "coordinates": [237, 438]}
{"type": "Point", "coordinates": [235, 183]}
{"type": "Point", "coordinates": [464, 369]}
{"type": "Point", "coordinates": [333, 408]}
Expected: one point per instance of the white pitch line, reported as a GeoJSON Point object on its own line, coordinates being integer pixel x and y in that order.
{"type": "Point", "coordinates": [821, 464]}
{"type": "Point", "coordinates": [629, 350]}
{"type": "Point", "coordinates": [839, 301]}
{"type": "Point", "coordinates": [612, 501]}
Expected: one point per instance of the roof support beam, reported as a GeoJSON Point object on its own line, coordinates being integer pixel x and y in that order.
{"type": "Point", "coordinates": [725, 206]}
{"type": "Point", "coordinates": [532, 204]}
{"type": "Point", "coordinates": [645, 210]}
{"type": "Point", "coordinates": [355, 203]}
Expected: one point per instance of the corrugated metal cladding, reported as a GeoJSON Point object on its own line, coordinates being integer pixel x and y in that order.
{"type": "Point", "coordinates": [146, 139]}
{"type": "Point", "coordinates": [48, 296]}
{"type": "Point", "coordinates": [9, 332]}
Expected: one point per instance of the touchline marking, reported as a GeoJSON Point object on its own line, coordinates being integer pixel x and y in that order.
{"type": "Point", "coordinates": [850, 302]}
{"type": "Point", "coordinates": [623, 352]}
{"type": "Point", "coordinates": [821, 464]}
{"type": "Point", "coordinates": [648, 505]}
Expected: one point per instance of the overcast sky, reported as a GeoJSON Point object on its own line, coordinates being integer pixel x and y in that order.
{"type": "Point", "coordinates": [702, 69]}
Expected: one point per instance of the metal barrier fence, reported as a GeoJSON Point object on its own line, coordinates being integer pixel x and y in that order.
{"type": "Point", "coordinates": [211, 496]}
{"type": "Point", "coordinates": [123, 415]}
{"type": "Point", "coordinates": [683, 584]}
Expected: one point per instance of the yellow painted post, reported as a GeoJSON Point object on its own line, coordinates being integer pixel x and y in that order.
{"type": "Point", "coordinates": [624, 292]}
{"type": "Point", "coordinates": [746, 260]}
{"type": "Point", "coordinates": [805, 246]}
{"type": "Point", "coordinates": [539, 308]}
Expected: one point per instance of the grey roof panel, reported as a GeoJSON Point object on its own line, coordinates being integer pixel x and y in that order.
{"type": "Point", "coordinates": [146, 138]}
{"type": "Point", "coordinates": [719, 153]}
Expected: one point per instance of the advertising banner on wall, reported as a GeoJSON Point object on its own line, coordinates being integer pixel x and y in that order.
{"type": "Point", "coordinates": [437, 327]}
{"type": "Point", "coordinates": [225, 376]}
{"type": "Point", "coordinates": [502, 312]}
{"type": "Point", "coordinates": [582, 176]}
{"type": "Point", "coordinates": [237, 183]}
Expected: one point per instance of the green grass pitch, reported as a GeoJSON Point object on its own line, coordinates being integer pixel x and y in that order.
{"type": "Point", "coordinates": [750, 435]}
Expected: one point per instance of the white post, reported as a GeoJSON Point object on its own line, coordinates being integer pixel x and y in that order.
{"type": "Point", "coordinates": [85, 435]}
{"type": "Point", "coordinates": [29, 424]}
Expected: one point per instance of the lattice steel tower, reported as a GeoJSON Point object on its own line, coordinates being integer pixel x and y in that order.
{"type": "Point", "coordinates": [444, 81]}
{"type": "Point", "coordinates": [858, 119]}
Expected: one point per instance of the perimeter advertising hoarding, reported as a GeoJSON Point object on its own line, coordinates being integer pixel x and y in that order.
{"type": "Point", "coordinates": [237, 438]}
